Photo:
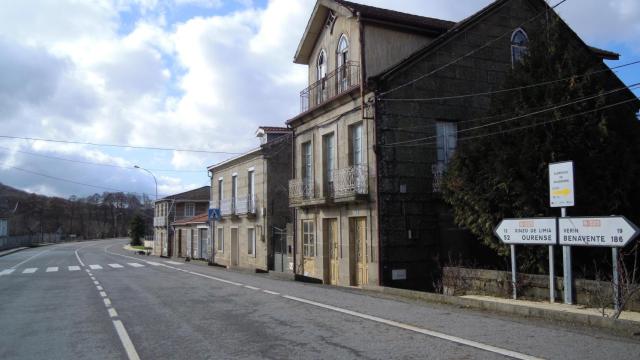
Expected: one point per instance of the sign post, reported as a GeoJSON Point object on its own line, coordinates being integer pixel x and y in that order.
{"type": "Point", "coordinates": [534, 231]}
{"type": "Point", "coordinates": [561, 194]}
{"type": "Point", "coordinates": [612, 231]}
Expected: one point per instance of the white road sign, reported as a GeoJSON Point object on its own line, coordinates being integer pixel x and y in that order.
{"type": "Point", "coordinates": [612, 231]}
{"type": "Point", "coordinates": [541, 231]}
{"type": "Point", "coordinates": [561, 192]}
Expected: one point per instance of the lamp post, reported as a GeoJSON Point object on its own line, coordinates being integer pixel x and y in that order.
{"type": "Point", "coordinates": [156, 181]}
{"type": "Point", "coordinates": [154, 178]}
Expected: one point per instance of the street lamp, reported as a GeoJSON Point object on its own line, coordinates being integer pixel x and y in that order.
{"type": "Point", "coordinates": [154, 178]}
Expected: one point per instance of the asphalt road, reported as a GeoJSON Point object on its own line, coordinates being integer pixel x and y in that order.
{"type": "Point", "coordinates": [94, 300]}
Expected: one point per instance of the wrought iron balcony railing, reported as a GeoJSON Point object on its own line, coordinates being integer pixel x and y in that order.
{"type": "Point", "coordinates": [246, 204]}
{"type": "Point", "coordinates": [339, 81]}
{"type": "Point", "coordinates": [160, 221]}
{"type": "Point", "coordinates": [350, 181]}
{"type": "Point", "coordinates": [227, 207]}
{"type": "Point", "coordinates": [437, 170]}
{"type": "Point", "coordinates": [301, 189]}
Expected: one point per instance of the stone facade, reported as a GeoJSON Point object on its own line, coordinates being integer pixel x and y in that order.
{"type": "Point", "coordinates": [192, 237]}
{"type": "Point", "coordinates": [417, 232]}
{"type": "Point", "coordinates": [250, 192]}
{"type": "Point", "coordinates": [175, 208]}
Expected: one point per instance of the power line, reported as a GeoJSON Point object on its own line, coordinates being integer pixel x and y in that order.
{"type": "Point", "coordinates": [118, 145]}
{"type": "Point", "coordinates": [454, 97]}
{"type": "Point", "coordinates": [604, 107]}
{"type": "Point", "coordinates": [95, 163]}
{"type": "Point", "coordinates": [467, 54]}
{"type": "Point", "coordinates": [77, 182]}
{"type": "Point", "coordinates": [554, 107]}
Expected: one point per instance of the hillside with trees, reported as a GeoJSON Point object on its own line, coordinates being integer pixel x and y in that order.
{"type": "Point", "coordinates": [95, 216]}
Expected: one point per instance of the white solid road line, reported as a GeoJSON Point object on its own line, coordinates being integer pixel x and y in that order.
{"type": "Point", "coordinates": [52, 269]}
{"type": "Point", "coordinates": [7, 272]}
{"type": "Point", "coordinates": [135, 265]}
{"type": "Point", "coordinates": [475, 344]}
{"type": "Point", "coordinates": [126, 341]}
{"type": "Point", "coordinates": [24, 261]}
{"type": "Point", "coordinates": [95, 267]}
{"type": "Point", "coordinates": [74, 268]}
{"type": "Point", "coordinates": [116, 266]}
{"type": "Point", "coordinates": [113, 312]}
{"type": "Point", "coordinates": [30, 270]}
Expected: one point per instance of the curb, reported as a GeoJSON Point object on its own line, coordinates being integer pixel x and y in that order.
{"type": "Point", "coordinates": [621, 327]}
{"type": "Point", "coordinates": [11, 251]}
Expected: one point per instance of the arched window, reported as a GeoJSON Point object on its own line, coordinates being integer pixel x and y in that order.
{"type": "Point", "coordinates": [321, 73]}
{"type": "Point", "coordinates": [342, 53]}
{"type": "Point", "coordinates": [519, 46]}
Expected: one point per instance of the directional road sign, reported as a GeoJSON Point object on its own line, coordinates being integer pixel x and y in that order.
{"type": "Point", "coordinates": [612, 231]}
{"type": "Point", "coordinates": [534, 231]}
{"type": "Point", "coordinates": [561, 184]}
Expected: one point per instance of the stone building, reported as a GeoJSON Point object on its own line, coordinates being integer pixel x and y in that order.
{"type": "Point", "coordinates": [192, 237]}
{"type": "Point", "coordinates": [367, 203]}
{"type": "Point", "coordinates": [250, 192]}
{"type": "Point", "coordinates": [174, 208]}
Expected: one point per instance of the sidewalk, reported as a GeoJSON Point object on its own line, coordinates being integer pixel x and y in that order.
{"type": "Point", "coordinates": [561, 307]}
{"type": "Point", "coordinates": [11, 251]}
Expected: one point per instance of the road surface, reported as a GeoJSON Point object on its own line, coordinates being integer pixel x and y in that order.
{"type": "Point", "coordinates": [95, 300]}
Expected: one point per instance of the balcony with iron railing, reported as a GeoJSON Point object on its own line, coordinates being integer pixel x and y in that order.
{"type": "Point", "coordinates": [246, 205]}
{"type": "Point", "coordinates": [301, 192]}
{"type": "Point", "coordinates": [437, 171]}
{"type": "Point", "coordinates": [349, 184]}
{"type": "Point", "coordinates": [342, 80]}
{"type": "Point", "coordinates": [160, 221]}
{"type": "Point", "coordinates": [227, 207]}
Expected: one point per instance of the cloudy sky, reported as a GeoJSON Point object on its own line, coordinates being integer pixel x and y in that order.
{"type": "Point", "coordinates": [188, 74]}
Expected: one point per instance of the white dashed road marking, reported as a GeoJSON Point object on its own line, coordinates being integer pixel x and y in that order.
{"type": "Point", "coordinates": [113, 312]}
{"type": "Point", "coordinates": [52, 269]}
{"type": "Point", "coordinates": [135, 265]}
{"type": "Point", "coordinates": [173, 262]}
{"type": "Point", "coordinates": [30, 270]}
{"type": "Point", "coordinates": [116, 266]}
{"type": "Point", "coordinates": [7, 272]}
{"type": "Point", "coordinates": [103, 294]}
{"type": "Point", "coordinates": [107, 302]}
{"type": "Point", "coordinates": [95, 267]}
{"type": "Point", "coordinates": [153, 263]}
{"type": "Point", "coordinates": [251, 287]}
{"type": "Point", "coordinates": [271, 292]}
{"type": "Point", "coordinates": [74, 268]}
{"type": "Point", "coordinates": [99, 288]}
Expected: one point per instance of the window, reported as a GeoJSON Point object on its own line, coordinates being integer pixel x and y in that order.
{"type": "Point", "coordinates": [447, 140]}
{"type": "Point", "coordinates": [308, 238]}
{"type": "Point", "coordinates": [250, 184]}
{"type": "Point", "coordinates": [251, 242]}
{"type": "Point", "coordinates": [342, 59]}
{"type": "Point", "coordinates": [307, 164]}
{"type": "Point", "coordinates": [190, 210]}
{"type": "Point", "coordinates": [329, 157]}
{"type": "Point", "coordinates": [220, 191]}
{"type": "Point", "coordinates": [220, 239]}
{"type": "Point", "coordinates": [519, 46]}
{"type": "Point", "coordinates": [321, 75]}
{"type": "Point", "coordinates": [234, 192]}
{"type": "Point", "coordinates": [356, 144]}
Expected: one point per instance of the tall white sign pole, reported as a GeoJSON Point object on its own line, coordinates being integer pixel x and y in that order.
{"type": "Point", "coordinates": [561, 194]}
{"type": "Point", "coordinates": [514, 269]}
{"type": "Point", "coordinates": [616, 279]}
{"type": "Point", "coordinates": [552, 276]}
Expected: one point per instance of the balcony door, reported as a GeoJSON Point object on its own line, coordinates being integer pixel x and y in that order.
{"type": "Point", "coordinates": [328, 150]}
{"type": "Point", "coordinates": [234, 193]}
{"type": "Point", "coordinates": [342, 60]}
{"type": "Point", "coordinates": [307, 169]}
{"type": "Point", "coordinates": [321, 74]}
{"type": "Point", "coordinates": [251, 191]}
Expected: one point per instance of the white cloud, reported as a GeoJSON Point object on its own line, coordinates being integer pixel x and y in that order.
{"type": "Point", "coordinates": [86, 71]}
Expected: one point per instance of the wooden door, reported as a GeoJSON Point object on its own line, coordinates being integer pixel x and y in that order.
{"type": "Point", "coordinates": [235, 252]}
{"type": "Point", "coordinates": [331, 238]}
{"type": "Point", "coordinates": [358, 235]}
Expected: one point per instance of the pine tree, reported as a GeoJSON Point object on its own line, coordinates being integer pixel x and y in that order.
{"type": "Point", "coordinates": [137, 230]}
